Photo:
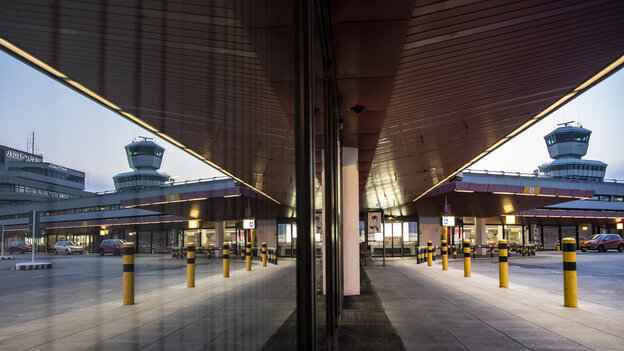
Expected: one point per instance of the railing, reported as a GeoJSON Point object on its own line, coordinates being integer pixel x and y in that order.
{"type": "Point", "coordinates": [171, 183]}
{"type": "Point", "coordinates": [537, 175]}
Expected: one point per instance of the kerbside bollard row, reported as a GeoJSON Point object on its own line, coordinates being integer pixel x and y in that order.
{"type": "Point", "coordinates": [503, 263]}
{"type": "Point", "coordinates": [444, 256]}
{"type": "Point", "coordinates": [569, 273]}
{"type": "Point", "coordinates": [128, 273]}
{"type": "Point", "coordinates": [226, 260]}
{"type": "Point", "coordinates": [190, 265]}
{"type": "Point", "coordinates": [466, 247]}
{"type": "Point", "coordinates": [248, 257]}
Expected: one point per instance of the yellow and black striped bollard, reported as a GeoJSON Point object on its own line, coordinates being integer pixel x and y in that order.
{"type": "Point", "coordinates": [569, 273]}
{"type": "Point", "coordinates": [558, 246]}
{"type": "Point", "coordinates": [454, 251]}
{"type": "Point", "coordinates": [503, 264]}
{"type": "Point", "coordinates": [434, 253]}
{"type": "Point", "coordinates": [226, 260]}
{"type": "Point", "coordinates": [128, 273]}
{"type": "Point", "coordinates": [429, 253]}
{"type": "Point", "coordinates": [190, 265]}
{"type": "Point", "coordinates": [248, 256]}
{"type": "Point", "coordinates": [264, 254]}
{"type": "Point", "coordinates": [444, 256]}
{"type": "Point", "coordinates": [466, 247]}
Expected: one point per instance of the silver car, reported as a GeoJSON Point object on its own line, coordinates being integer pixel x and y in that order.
{"type": "Point", "coordinates": [67, 247]}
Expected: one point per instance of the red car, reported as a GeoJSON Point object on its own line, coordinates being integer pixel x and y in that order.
{"type": "Point", "coordinates": [603, 242]}
{"type": "Point", "coordinates": [19, 246]}
{"type": "Point", "coordinates": [113, 246]}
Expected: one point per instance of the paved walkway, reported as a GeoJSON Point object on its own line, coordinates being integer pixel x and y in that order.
{"type": "Point", "coordinates": [434, 309]}
{"type": "Point", "coordinates": [239, 313]}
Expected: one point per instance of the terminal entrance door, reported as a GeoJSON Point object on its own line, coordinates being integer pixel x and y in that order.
{"type": "Point", "coordinates": [393, 236]}
{"type": "Point", "coordinates": [287, 239]}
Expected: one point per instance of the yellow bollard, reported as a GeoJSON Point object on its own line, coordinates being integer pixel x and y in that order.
{"type": "Point", "coordinates": [226, 260]}
{"type": "Point", "coordinates": [128, 273]}
{"type": "Point", "coordinates": [558, 246]}
{"type": "Point", "coordinates": [444, 256]}
{"type": "Point", "coordinates": [248, 252]}
{"type": "Point", "coordinates": [264, 254]}
{"type": "Point", "coordinates": [569, 272]}
{"type": "Point", "coordinates": [429, 253]}
{"type": "Point", "coordinates": [466, 247]}
{"type": "Point", "coordinates": [503, 264]}
{"type": "Point", "coordinates": [190, 265]}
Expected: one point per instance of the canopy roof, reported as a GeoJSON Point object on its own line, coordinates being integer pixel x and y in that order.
{"type": "Point", "coordinates": [437, 84]}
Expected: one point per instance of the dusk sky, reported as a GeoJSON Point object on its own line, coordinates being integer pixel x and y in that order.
{"type": "Point", "coordinates": [76, 132]}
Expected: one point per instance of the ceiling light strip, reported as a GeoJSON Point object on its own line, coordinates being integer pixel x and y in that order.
{"type": "Point", "coordinates": [30, 58]}
{"type": "Point", "coordinates": [579, 90]}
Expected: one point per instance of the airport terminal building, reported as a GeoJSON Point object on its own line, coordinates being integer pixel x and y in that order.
{"type": "Point", "coordinates": [146, 207]}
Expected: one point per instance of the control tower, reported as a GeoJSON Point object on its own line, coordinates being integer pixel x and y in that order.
{"type": "Point", "coordinates": [566, 145]}
{"type": "Point", "coordinates": [144, 157]}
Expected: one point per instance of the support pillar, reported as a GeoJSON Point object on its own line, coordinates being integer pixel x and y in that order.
{"type": "Point", "coordinates": [480, 236]}
{"type": "Point", "coordinates": [219, 236]}
{"type": "Point", "coordinates": [350, 221]}
{"type": "Point", "coordinates": [304, 174]}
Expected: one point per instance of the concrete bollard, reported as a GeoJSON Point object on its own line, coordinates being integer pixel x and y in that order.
{"type": "Point", "coordinates": [466, 246]}
{"type": "Point", "coordinates": [128, 273]}
{"type": "Point", "coordinates": [444, 256]}
{"type": "Point", "coordinates": [503, 264]}
{"type": "Point", "coordinates": [429, 253]}
{"type": "Point", "coordinates": [569, 273]}
{"type": "Point", "coordinates": [226, 260]}
{"type": "Point", "coordinates": [190, 265]}
{"type": "Point", "coordinates": [264, 254]}
{"type": "Point", "coordinates": [248, 256]}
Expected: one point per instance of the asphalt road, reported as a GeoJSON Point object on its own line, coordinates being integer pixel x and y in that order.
{"type": "Point", "coordinates": [77, 281]}
{"type": "Point", "coordinates": [600, 276]}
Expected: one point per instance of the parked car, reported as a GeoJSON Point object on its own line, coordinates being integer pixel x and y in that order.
{"type": "Point", "coordinates": [67, 247]}
{"type": "Point", "coordinates": [20, 246]}
{"type": "Point", "coordinates": [113, 246]}
{"type": "Point", "coordinates": [603, 242]}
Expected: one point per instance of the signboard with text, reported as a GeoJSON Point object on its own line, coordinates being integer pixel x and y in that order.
{"type": "Point", "coordinates": [448, 221]}
{"type": "Point", "coordinates": [249, 223]}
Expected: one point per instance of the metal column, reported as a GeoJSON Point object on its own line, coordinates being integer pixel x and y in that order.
{"type": "Point", "coordinates": [304, 164]}
{"type": "Point", "coordinates": [331, 166]}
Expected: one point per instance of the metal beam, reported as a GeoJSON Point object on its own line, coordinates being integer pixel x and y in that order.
{"type": "Point", "coordinates": [304, 156]}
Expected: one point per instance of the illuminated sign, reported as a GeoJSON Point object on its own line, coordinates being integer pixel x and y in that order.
{"type": "Point", "coordinates": [620, 226]}
{"type": "Point", "coordinates": [531, 190]}
{"type": "Point", "coordinates": [23, 156]}
{"type": "Point", "coordinates": [193, 224]}
{"type": "Point", "coordinates": [448, 221]}
{"type": "Point", "coordinates": [249, 223]}
{"type": "Point", "coordinates": [510, 219]}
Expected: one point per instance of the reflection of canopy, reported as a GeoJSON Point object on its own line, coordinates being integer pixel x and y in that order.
{"type": "Point", "coordinates": [437, 84]}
